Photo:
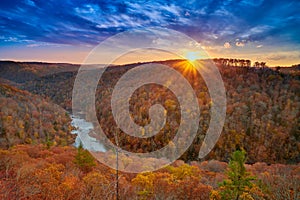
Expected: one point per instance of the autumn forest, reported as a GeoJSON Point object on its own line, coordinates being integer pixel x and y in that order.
{"type": "Point", "coordinates": [256, 157]}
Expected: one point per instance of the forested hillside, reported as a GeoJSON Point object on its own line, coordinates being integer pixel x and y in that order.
{"type": "Point", "coordinates": [30, 119]}
{"type": "Point", "coordinates": [262, 110]}
{"type": "Point", "coordinates": [263, 107]}
{"type": "Point", "coordinates": [20, 72]}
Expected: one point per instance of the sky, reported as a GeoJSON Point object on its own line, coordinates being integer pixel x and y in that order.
{"type": "Point", "coordinates": [66, 31]}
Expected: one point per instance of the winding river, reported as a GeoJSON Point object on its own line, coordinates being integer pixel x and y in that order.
{"type": "Point", "coordinates": [82, 131]}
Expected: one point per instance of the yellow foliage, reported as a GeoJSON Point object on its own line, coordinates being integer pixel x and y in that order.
{"type": "Point", "coordinates": [142, 131]}
{"type": "Point", "coordinates": [94, 178]}
{"type": "Point", "coordinates": [183, 171]}
{"type": "Point", "coordinates": [9, 118]}
{"type": "Point", "coordinates": [246, 196]}
{"type": "Point", "coordinates": [214, 195]}
{"type": "Point", "coordinates": [69, 182]}
{"type": "Point", "coordinates": [144, 183]}
{"type": "Point", "coordinates": [36, 135]}
{"type": "Point", "coordinates": [96, 185]}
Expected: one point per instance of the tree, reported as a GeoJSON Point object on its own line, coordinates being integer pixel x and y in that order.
{"type": "Point", "coordinates": [248, 63]}
{"type": "Point", "coordinates": [83, 159]}
{"type": "Point", "coordinates": [263, 64]}
{"type": "Point", "coordinates": [256, 64]}
{"type": "Point", "coordinates": [239, 182]}
{"type": "Point", "coordinates": [97, 186]}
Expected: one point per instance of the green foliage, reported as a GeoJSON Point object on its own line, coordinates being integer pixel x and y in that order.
{"type": "Point", "coordinates": [84, 160]}
{"type": "Point", "coordinates": [239, 182]}
{"type": "Point", "coordinates": [48, 141]}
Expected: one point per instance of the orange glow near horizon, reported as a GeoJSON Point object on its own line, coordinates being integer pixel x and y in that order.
{"type": "Point", "coordinates": [67, 55]}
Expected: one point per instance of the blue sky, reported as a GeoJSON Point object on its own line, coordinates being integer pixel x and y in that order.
{"type": "Point", "coordinates": [65, 31]}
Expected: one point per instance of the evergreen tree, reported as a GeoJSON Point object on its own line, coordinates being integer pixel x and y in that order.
{"type": "Point", "coordinates": [83, 159]}
{"type": "Point", "coordinates": [239, 181]}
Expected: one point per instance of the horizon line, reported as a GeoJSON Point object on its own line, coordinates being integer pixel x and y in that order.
{"type": "Point", "coordinates": [123, 64]}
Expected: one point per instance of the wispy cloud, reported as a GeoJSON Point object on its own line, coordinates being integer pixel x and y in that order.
{"type": "Point", "coordinates": [227, 45]}
{"type": "Point", "coordinates": [213, 23]}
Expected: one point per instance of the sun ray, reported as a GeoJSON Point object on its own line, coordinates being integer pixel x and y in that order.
{"type": "Point", "coordinates": [187, 68]}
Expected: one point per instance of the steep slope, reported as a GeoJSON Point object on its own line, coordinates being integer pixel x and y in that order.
{"type": "Point", "coordinates": [27, 118]}
{"type": "Point", "coordinates": [58, 87]}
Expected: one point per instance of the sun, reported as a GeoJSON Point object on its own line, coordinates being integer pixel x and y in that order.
{"type": "Point", "coordinates": [192, 56]}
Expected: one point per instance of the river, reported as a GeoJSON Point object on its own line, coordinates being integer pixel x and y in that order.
{"type": "Point", "coordinates": [82, 131]}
